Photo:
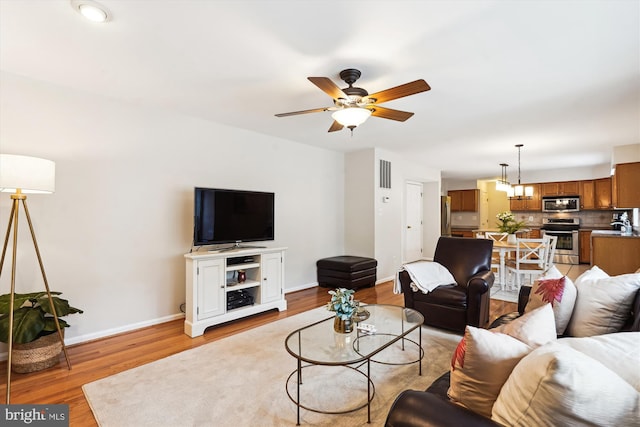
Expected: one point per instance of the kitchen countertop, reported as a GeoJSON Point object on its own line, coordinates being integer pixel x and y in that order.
{"type": "Point", "coordinates": [597, 227]}
{"type": "Point", "coordinates": [613, 233]}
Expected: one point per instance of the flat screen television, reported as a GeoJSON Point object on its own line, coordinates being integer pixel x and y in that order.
{"type": "Point", "coordinates": [232, 216]}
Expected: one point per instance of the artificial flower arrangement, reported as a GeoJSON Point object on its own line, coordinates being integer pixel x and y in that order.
{"type": "Point", "coordinates": [342, 303]}
{"type": "Point", "coordinates": [508, 223]}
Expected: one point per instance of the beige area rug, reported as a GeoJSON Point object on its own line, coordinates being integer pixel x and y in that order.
{"type": "Point", "coordinates": [240, 381]}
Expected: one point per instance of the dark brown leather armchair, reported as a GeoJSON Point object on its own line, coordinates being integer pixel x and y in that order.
{"type": "Point", "coordinates": [465, 302]}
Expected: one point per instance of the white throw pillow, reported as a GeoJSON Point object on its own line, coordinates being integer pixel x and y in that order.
{"type": "Point", "coordinates": [484, 358]}
{"type": "Point", "coordinates": [603, 303]}
{"type": "Point", "coordinates": [619, 352]}
{"type": "Point", "coordinates": [558, 290]}
{"type": "Point", "coordinates": [556, 385]}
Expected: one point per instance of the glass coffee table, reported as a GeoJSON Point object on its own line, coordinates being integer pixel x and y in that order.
{"type": "Point", "coordinates": [318, 344]}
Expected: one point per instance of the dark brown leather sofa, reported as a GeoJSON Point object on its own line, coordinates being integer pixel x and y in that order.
{"type": "Point", "coordinates": [465, 302]}
{"type": "Point", "coordinates": [433, 408]}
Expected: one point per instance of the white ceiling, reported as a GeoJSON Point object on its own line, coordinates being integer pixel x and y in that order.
{"type": "Point", "coordinates": [561, 77]}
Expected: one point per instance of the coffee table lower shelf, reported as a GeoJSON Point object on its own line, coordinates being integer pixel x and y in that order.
{"type": "Point", "coordinates": [371, 386]}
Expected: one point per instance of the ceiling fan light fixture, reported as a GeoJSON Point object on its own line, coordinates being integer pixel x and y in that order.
{"type": "Point", "coordinates": [352, 116]}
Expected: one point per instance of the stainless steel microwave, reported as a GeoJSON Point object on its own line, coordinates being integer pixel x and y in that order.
{"type": "Point", "coordinates": [560, 204]}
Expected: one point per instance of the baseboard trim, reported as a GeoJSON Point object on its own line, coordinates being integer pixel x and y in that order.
{"type": "Point", "coordinates": [110, 332]}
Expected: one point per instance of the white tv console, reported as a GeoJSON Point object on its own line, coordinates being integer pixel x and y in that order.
{"type": "Point", "coordinates": [212, 276]}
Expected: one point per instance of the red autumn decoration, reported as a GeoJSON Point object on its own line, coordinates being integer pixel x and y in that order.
{"type": "Point", "coordinates": [551, 290]}
{"type": "Point", "coordinates": [458, 355]}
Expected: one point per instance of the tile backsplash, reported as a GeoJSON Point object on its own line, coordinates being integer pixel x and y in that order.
{"type": "Point", "coordinates": [588, 219]}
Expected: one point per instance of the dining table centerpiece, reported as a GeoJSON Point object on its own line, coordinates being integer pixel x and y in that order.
{"type": "Point", "coordinates": [507, 224]}
{"type": "Point", "coordinates": [343, 304]}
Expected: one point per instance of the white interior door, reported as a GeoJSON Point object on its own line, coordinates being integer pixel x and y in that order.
{"type": "Point", "coordinates": [413, 222]}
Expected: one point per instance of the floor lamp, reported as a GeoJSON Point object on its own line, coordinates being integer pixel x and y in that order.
{"type": "Point", "coordinates": [21, 175]}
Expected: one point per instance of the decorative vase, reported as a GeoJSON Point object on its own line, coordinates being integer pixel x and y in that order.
{"type": "Point", "coordinates": [342, 326]}
{"type": "Point", "coordinates": [512, 239]}
{"type": "Point", "coordinates": [242, 276]}
{"type": "Point", "coordinates": [36, 355]}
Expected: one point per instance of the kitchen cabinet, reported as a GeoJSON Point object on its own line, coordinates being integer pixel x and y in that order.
{"type": "Point", "coordinates": [532, 233]}
{"type": "Point", "coordinates": [602, 193]}
{"type": "Point", "coordinates": [615, 254]}
{"type": "Point", "coordinates": [587, 195]}
{"type": "Point", "coordinates": [584, 240]}
{"type": "Point", "coordinates": [565, 188]}
{"type": "Point", "coordinates": [464, 200]}
{"type": "Point", "coordinates": [533, 204]}
{"type": "Point", "coordinates": [626, 190]}
{"type": "Point", "coordinates": [457, 232]}
{"type": "Point", "coordinates": [595, 194]}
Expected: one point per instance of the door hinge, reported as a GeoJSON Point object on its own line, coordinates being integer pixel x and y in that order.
{"type": "Point", "coordinates": [197, 271]}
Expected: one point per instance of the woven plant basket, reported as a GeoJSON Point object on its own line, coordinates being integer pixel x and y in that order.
{"type": "Point", "coordinates": [36, 355]}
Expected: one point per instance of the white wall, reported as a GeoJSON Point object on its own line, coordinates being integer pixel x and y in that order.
{"type": "Point", "coordinates": [385, 222]}
{"type": "Point", "coordinates": [359, 204]}
{"type": "Point", "coordinates": [114, 233]}
{"type": "Point", "coordinates": [625, 154]}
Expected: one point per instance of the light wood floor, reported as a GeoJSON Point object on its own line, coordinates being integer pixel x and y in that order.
{"type": "Point", "coordinates": [102, 358]}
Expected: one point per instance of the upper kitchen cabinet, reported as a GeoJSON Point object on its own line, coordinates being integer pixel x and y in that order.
{"type": "Point", "coordinates": [595, 194]}
{"type": "Point", "coordinates": [566, 188]}
{"type": "Point", "coordinates": [464, 200]}
{"type": "Point", "coordinates": [602, 188]}
{"type": "Point", "coordinates": [533, 204]}
{"type": "Point", "coordinates": [587, 194]}
{"type": "Point", "coordinates": [626, 185]}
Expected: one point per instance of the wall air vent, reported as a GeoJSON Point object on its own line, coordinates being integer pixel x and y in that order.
{"type": "Point", "coordinates": [385, 174]}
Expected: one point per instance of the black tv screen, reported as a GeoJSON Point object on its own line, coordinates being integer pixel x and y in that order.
{"type": "Point", "coordinates": [232, 216]}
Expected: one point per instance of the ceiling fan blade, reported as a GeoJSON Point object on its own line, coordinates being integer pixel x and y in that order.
{"type": "Point", "coordinates": [335, 126]}
{"type": "Point", "coordinates": [388, 113]}
{"type": "Point", "coordinates": [328, 87]}
{"type": "Point", "coordinates": [399, 91]}
{"type": "Point", "coordinates": [295, 113]}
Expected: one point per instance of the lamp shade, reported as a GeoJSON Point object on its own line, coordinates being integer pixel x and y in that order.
{"type": "Point", "coordinates": [352, 116]}
{"type": "Point", "coordinates": [27, 174]}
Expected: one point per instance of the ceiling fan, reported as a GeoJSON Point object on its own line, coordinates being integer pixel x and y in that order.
{"type": "Point", "coordinates": [354, 105]}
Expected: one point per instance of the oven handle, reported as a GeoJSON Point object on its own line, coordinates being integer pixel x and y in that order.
{"type": "Point", "coordinates": [559, 232]}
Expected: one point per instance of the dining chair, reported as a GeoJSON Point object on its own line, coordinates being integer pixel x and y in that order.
{"type": "Point", "coordinates": [530, 260]}
{"type": "Point", "coordinates": [550, 251]}
{"type": "Point", "coordinates": [495, 257]}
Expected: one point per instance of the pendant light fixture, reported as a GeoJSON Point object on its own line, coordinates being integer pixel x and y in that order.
{"type": "Point", "coordinates": [520, 192]}
{"type": "Point", "coordinates": [502, 184]}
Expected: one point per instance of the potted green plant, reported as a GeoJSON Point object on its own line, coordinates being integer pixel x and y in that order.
{"type": "Point", "coordinates": [508, 224]}
{"type": "Point", "coordinates": [36, 342]}
{"type": "Point", "coordinates": [345, 306]}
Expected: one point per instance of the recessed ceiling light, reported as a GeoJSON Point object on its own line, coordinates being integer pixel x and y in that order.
{"type": "Point", "coordinates": [91, 10]}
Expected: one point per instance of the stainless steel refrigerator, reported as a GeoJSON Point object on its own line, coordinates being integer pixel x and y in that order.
{"type": "Point", "coordinates": [445, 216]}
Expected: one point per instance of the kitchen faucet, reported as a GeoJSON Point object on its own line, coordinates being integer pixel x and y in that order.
{"type": "Point", "coordinates": [625, 224]}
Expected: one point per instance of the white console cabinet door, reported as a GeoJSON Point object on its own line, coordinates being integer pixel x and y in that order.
{"type": "Point", "coordinates": [272, 276]}
{"type": "Point", "coordinates": [211, 284]}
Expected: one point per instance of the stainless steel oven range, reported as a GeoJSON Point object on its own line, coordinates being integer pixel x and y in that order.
{"type": "Point", "coordinates": [566, 229]}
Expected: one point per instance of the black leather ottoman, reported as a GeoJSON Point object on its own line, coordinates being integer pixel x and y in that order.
{"type": "Point", "coordinates": [351, 272]}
